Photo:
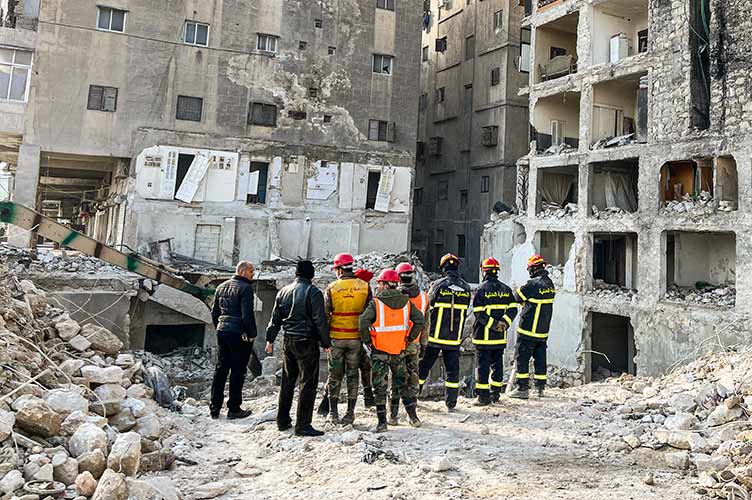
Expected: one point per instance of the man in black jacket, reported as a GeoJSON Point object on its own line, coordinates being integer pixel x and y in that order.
{"type": "Point", "coordinates": [232, 315]}
{"type": "Point", "coordinates": [299, 312]}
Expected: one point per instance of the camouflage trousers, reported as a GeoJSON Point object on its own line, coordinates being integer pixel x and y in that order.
{"type": "Point", "coordinates": [343, 364]}
{"type": "Point", "coordinates": [382, 365]}
{"type": "Point", "coordinates": [412, 380]}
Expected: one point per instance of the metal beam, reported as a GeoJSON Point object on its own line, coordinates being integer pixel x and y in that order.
{"type": "Point", "coordinates": [70, 181]}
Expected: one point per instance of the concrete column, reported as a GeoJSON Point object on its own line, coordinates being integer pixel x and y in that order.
{"type": "Point", "coordinates": [25, 191]}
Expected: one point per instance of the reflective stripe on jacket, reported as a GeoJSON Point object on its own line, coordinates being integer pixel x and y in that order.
{"type": "Point", "coordinates": [390, 329]}
{"type": "Point", "coordinates": [421, 302]}
{"type": "Point", "coordinates": [537, 300]}
{"type": "Point", "coordinates": [348, 300]}
{"type": "Point", "coordinates": [450, 301]}
{"type": "Point", "coordinates": [493, 303]}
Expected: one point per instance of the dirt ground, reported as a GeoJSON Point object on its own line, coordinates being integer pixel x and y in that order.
{"type": "Point", "coordinates": [554, 448]}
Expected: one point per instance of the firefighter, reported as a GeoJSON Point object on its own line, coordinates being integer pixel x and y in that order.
{"type": "Point", "coordinates": [494, 309]}
{"type": "Point", "coordinates": [449, 300]}
{"type": "Point", "coordinates": [419, 299]}
{"type": "Point", "coordinates": [537, 300]}
{"type": "Point", "coordinates": [387, 326]}
{"type": "Point", "coordinates": [345, 301]}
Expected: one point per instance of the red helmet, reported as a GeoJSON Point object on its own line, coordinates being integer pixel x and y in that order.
{"type": "Point", "coordinates": [490, 264]}
{"type": "Point", "coordinates": [389, 276]}
{"type": "Point", "coordinates": [364, 275]}
{"type": "Point", "coordinates": [535, 261]}
{"type": "Point", "coordinates": [449, 258]}
{"type": "Point", "coordinates": [404, 267]}
{"type": "Point", "coordinates": [342, 260]}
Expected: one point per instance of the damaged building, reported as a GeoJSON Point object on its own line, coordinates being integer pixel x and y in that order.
{"type": "Point", "coordinates": [470, 131]}
{"type": "Point", "coordinates": [220, 131]}
{"type": "Point", "coordinates": [636, 188]}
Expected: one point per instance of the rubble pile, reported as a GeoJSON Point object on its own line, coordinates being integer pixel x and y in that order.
{"type": "Point", "coordinates": [24, 261]}
{"type": "Point", "coordinates": [189, 370]}
{"type": "Point", "coordinates": [551, 210]}
{"type": "Point", "coordinates": [691, 205]}
{"type": "Point", "coordinates": [698, 417]}
{"type": "Point", "coordinates": [613, 142]}
{"type": "Point", "coordinates": [608, 212]}
{"type": "Point", "coordinates": [608, 291]}
{"type": "Point", "coordinates": [559, 149]}
{"type": "Point", "coordinates": [703, 294]}
{"type": "Point", "coordinates": [76, 416]}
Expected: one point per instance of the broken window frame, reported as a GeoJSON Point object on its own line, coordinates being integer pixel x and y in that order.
{"type": "Point", "coordinates": [383, 64]}
{"type": "Point", "coordinates": [385, 4]}
{"type": "Point", "coordinates": [440, 94]}
{"type": "Point", "coordinates": [12, 67]}
{"type": "Point", "coordinates": [498, 20]}
{"type": "Point", "coordinates": [526, 56]}
{"type": "Point", "coordinates": [259, 198]}
{"type": "Point", "coordinates": [373, 180]}
{"type": "Point", "coordinates": [441, 44]}
{"type": "Point", "coordinates": [191, 33]}
{"type": "Point", "coordinates": [266, 43]}
{"type": "Point", "coordinates": [108, 14]}
{"type": "Point", "coordinates": [495, 76]}
{"type": "Point", "coordinates": [102, 98]}
{"type": "Point", "coordinates": [485, 184]}
{"type": "Point", "coordinates": [643, 41]}
{"type": "Point", "coordinates": [424, 55]}
{"type": "Point", "coordinates": [381, 130]}
{"type": "Point", "coordinates": [184, 113]}
{"type": "Point", "coordinates": [262, 114]}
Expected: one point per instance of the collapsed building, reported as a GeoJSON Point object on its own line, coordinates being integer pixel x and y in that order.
{"type": "Point", "coordinates": [220, 131]}
{"type": "Point", "coordinates": [636, 185]}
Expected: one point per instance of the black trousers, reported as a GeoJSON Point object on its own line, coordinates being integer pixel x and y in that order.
{"type": "Point", "coordinates": [451, 359]}
{"type": "Point", "coordinates": [489, 373]}
{"type": "Point", "coordinates": [527, 349]}
{"type": "Point", "coordinates": [301, 361]}
{"type": "Point", "coordinates": [234, 354]}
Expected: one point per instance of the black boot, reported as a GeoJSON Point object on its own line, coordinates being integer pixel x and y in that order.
{"type": "Point", "coordinates": [451, 399]}
{"type": "Point", "coordinates": [349, 417]}
{"type": "Point", "coordinates": [381, 414]}
{"type": "Point", "coordinates": [496, 394]}
{"type": "Point", "coordinates": [541, 390]}
{"type": "Point", "coordinates": [308, 432]}
{"type": "Point", "coordinates": [237, 415]}
{"type": "Point", "coordinates": [393, 412]}
{"type": "Point", "coordinates": [520, 392]}
{"type": "Point", "coordinates": [333, 410]}
{"type": "Point", "coordinates": [324, 406]}
{"type": "Point", "coordinates": [483, 398]}
{"type": "Point", "coordinates": [368, 399]}
{"type": "Point", "coordinates": [411, 408]}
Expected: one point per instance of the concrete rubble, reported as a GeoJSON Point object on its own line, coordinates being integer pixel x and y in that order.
{"type": "Point", "coordinates": [694, 206]}
{"type": "Point", "coordinates": [551, 210]}
{"type": "Point", "coordinates": [607, 291]}
{"type": "Point", "coordinates": [703, 294]}
{"type": "Point", "coordinates": [74, 415]}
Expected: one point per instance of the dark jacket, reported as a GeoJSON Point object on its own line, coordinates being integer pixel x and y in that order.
{"type": "Point", "coordinates": [396, 300]}
{"type": "Point", "coordinates": [494, 309]}
{"type": "Point", "coordinates": [299, 312]}
{"type": "Point", "coordinates": [232, 312]}
{"type": "Point", "coordinates": [450, 300]}
{"type": "Point", "coordinates": [537, 300]}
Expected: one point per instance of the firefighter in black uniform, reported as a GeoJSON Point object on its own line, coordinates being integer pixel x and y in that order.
{"type": "Point", "coordinates": [494, 309]}
{"type": "Point", "coordinates": [537, 300]}
{"type": "Point", "coordinates": [449, 299]}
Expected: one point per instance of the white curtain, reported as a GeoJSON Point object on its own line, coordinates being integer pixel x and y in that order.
{"type": "Point", "coordinates": [620, 192]}
{"type": "Point", "coordinates": [555, 188]}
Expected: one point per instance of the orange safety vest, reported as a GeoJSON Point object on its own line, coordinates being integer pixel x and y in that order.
{"type": "Point", "coordinates": [391, 327]}
{"type": "Point", "coordinates": [349, 298]}
{"type": "Point", "coordinates": [421, 302]}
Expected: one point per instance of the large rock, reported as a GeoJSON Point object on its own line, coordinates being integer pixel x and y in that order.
{"type": "Point", "coordinates": [139, 408]}
{"type": "Point", "coordinates": [67, 472]}
{"type": "Point", "coordinates": [123, 421]}
{"type": "Point", "coordinates": [149, 427]}
{"type": "Point", "coordinates": [87, 438]}
{"type": "Point", "coordinates": [11, 482]}
{"type": "Point", "coordinates": [102, 339]}
{"type": "Point", "coordinates": [73, 421]}
{"type": "Point", "coordinates": [708, 463]}
{"type": "Point", "coordinates": [86, 485]}
{"type": "Point", "coordinates": [94, 462]}
{"type": "Point", "coordinates": [72, 367]}
{"type": "Point", "coordinates": [683, 403]}
{"type": "Point", "coordinates": [97, 375]}
{"type": "Point", "coordinates": [680, 422]}
{"type": "Point", "coordinates": [108, 399]}
{"type": "Point", "coordinates": [723, 414]}
{"type": "Point", "coordinates": [7, 420]}
{"type": "Point", "coordinates": [210, 490]}
{"type": "Point", "coordinates": [67, 329]}
{"type": "Point", "coordinates": [79, 343]}
{"type": "Point", "coordinates": [125, 456]}
{"type": "Point", "coordinates": [111, 486]}
{"type": "Point", "coordinates": [677, 460]}
{"type": "Point", "coordinates": [67, 401]}
{"type": "Point", "coordinates": [157, 461]}
{"type": "Point", "coordinates": [36, 417]}
{"type": "Point", "coordinates": [140, 391]}
{"type": "Point", "coordinates": [157, 488]}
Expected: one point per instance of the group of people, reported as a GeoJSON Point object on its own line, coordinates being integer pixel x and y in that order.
{"type": "Point", "coordinates": [399, 333]}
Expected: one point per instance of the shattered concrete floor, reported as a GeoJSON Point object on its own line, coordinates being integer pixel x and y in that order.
{"type": "Point", "coordinates": [536, 449]}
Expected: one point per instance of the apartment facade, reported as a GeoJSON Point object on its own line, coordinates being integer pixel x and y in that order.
{"type": "Point", "coordinates": [236, 129]}
{"type": "Point", "coordinates": [637, 185]}
{"type": "Point", "coordinates": [471, 124]}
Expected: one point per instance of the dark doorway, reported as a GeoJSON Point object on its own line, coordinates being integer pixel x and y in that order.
{"type": "Point", "coordinates": [184, 163]}
{"type": "Point", "coordinates": [372, 189]}
{"type": "Point", "coordinates": [164, 339]}
{"type": "Point", "coordinates": [613, 337]}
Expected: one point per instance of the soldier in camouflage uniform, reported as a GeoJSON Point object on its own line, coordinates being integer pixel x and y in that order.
{"type": "Point", "coordinates": [387, 325]}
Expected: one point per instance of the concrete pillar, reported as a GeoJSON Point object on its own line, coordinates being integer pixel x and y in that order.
{"type": "Point", "coordinates": [25, 191]}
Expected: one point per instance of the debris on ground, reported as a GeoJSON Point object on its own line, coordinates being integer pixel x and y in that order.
{"type": "Point", "coordinates": [552, 210]}
{"type": "Point", "coordinates": [703, 294]}
{"type": "Point", "coordinates": [609, 291]}
{"type": "Point", "coordinates": [694, 206]}
{"type": "Point", "coordinates": [608, 212]}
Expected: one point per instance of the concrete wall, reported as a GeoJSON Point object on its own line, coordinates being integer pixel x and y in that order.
{"type": "Point", "coordinates": [564, 108]}
{"type": "Point", "coordinates": [704, 257]}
